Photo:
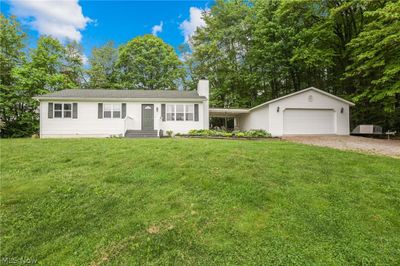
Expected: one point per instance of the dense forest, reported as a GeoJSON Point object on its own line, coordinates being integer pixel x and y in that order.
{"type": "Point", "coordinates": [251, 51]}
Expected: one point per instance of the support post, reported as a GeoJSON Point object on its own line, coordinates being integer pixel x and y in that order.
{"type": "Point", "coordinates": [235, 123]}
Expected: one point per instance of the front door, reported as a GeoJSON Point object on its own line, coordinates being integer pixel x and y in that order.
{"type": "Point", "coordinates": [147, 116]}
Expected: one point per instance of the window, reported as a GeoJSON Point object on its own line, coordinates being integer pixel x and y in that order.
{"type": "Point", "coordinates": [116, 111]}
{"type": "Point", "coordinates": [58, 110]}
{"type": "Point", "coordinates": [170, 112]}
{"type": "Point", "coordinates": [189, 112]}
{"type": "Point", "coordinates": [180, 112]}
{"type": "Point", "coordinates": [112, 111]}
{"type": "Point", "coordinates": [62, 110]}
{"type": "Point", "coordinates": [67, 110]}
{"type": "Point", "coordinates": [107, 110]}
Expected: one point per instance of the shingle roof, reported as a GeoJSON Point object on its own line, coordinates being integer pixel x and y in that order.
{"type": "Point", "coordinates": [302, 91]}
{"type": "Point", "coordinates": [121, 94]}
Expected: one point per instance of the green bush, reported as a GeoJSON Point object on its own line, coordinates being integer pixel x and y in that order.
{"type": "Point", "coordinates": [257, 133]}
{"type": "Point", "coordinates": [240, 134]}
{"type": "Point", "coordinates": [254, 133]}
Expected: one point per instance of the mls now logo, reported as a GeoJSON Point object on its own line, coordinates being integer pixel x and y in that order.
{"type": "Point", "coordinates": [18, 260]}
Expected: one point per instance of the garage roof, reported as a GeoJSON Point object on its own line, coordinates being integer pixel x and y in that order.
{"type": "Point", "coordinates": [302, 91]}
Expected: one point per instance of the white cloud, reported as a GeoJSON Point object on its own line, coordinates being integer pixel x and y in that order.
{"type": "Point", "coordinates": [157, 29]}
{"type": "Point", "coordinates": [195, 20]}
{"type": "Point", "coordinates": [60, 19]}
{"type": "Point", "coordinates": [85, 59]}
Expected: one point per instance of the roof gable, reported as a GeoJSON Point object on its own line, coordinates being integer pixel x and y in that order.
{"type": "Point", "coordinates": [302, 91]}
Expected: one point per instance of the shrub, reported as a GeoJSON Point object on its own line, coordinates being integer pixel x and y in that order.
{"type": "Point", "coordinates": [240, 134]}
{"type": "Point", "coordinates": [169, 133]}
{"type": "Point", "coordinates": [254, 133]}
{"type": "Point", "coordinates": [257, 133]}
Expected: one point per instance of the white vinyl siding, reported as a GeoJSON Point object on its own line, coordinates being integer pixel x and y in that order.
{"type": "Point", "coordinates": [87, 123]}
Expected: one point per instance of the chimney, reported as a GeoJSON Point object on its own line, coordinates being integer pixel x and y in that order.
{"type": "Point", "coordinates": [203, 89]}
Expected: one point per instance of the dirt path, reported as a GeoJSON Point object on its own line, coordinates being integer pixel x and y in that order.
{"type": "Point", "coordinates": [376, 146]}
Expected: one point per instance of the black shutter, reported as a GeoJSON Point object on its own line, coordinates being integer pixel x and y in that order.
{"type": "Point", "coordinates": [75, 110]}
{"type": "Point", "coordinates": [196, 112]}
{"type": "Point", "coordinates": [100, 111]}
{"type": "Point", "coordinates": [50, 111]}
{"type": "Point", "coordinates": [123, 110]}
{"type": "Point", "coordinates": [163, 111]}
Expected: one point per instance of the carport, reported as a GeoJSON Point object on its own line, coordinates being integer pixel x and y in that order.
{"type": "Point", "coordinates": [234, 113]}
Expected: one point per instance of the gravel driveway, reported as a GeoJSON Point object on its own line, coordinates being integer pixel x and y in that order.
{"type": "Point", "coordinates": [376, 146]}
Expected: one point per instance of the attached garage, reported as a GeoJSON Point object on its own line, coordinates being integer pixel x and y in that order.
{"type": "Point", "coordinates": [307, 112]}
{"type": "Point", "coordinates": [308, 121]}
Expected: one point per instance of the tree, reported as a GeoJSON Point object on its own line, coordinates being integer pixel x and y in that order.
{"type": "Point", "coordinates": [73, 63]}
{"type": "Point", "coordinates": [42, 73]}
{"type": "Point", "coordinates": [11, 56]}
{"type": "Point", "coordinates": [253, 51]}
{"type": "Point", "coordinates": [147, 62]}
{"type": "Point", "coordinates": [47, 69]}
{"type": "Point", "coordinates": [220, 53]}
{"type": "Point", "coordinates": [272, 52]}
{"type": "Point", "coordinates": [376, 65]}
{"type": "Point", "coordinates": [102, 71]}
{"type": "Point", "coordinates": [12, 44]}
{"type": "Point", "coordinates": [310, 33]}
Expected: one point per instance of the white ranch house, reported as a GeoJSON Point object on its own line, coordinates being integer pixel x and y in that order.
{"type": "Point", "coordinates": [150, 113]}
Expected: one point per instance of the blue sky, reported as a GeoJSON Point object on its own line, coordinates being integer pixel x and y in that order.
{"type": "Point", "coordinates": [93, 23]}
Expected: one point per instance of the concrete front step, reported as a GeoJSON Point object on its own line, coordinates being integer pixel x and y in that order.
{"type": "Point", "coordinates": [141, 134]}
{"type": "Point", "coordinates": [141, 131]}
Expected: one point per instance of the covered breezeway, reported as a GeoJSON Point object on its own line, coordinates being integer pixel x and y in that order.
{"type": "Point", "coordinates": [228, 113]}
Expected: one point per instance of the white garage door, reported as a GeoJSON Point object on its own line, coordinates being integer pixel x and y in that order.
{"type": "Point", "coordinates": [308, 121]}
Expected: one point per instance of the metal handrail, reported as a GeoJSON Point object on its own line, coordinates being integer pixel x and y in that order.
{"type": "Point", "coordinates": [159, 126]}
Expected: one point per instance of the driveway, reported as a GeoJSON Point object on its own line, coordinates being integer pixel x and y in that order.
{"type": "Point", "coordinates": [367, 145]}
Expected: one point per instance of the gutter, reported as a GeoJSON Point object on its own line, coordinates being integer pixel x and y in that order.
{"type": "Point", "coordinates": [120, 99]}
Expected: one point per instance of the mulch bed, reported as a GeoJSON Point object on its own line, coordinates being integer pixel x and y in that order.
{"type": "Point", "coordinates": [228, 138]}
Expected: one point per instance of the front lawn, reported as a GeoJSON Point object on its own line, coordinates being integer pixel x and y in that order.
{"type": "Point", "coordinates": [193, 201]}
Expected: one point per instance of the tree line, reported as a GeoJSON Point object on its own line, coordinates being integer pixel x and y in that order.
{"type": "Point", "coordinates": [145, 62]}
{"type": "Point", "coordinates": [254, 51]}
{"type": "Point", "coordinates": [251, 51]}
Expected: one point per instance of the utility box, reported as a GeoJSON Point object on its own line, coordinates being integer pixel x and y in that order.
{"type": "Point", "coordinates": [367, 130]}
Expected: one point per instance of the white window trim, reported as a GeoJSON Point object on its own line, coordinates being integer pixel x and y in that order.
{"type": "Point", "coordinates": [175, 112]}
{"type": "Point", "coordinates": [181, 113]}
{"type": "Point", "coordinates": [166, 112]}
{"type": "Point", "coordinates": [112, 110]}
{"type": "Point", "coordinates": [192, 105]}
{"type": "Point", "coordinates": [62, 110]}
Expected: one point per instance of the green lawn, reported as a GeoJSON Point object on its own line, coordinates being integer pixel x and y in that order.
{"type": "Point", "coordinates": [193, 201]}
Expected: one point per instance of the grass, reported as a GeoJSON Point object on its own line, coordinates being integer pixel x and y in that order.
{"type": "Point", "coordinates": [192, 201]}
